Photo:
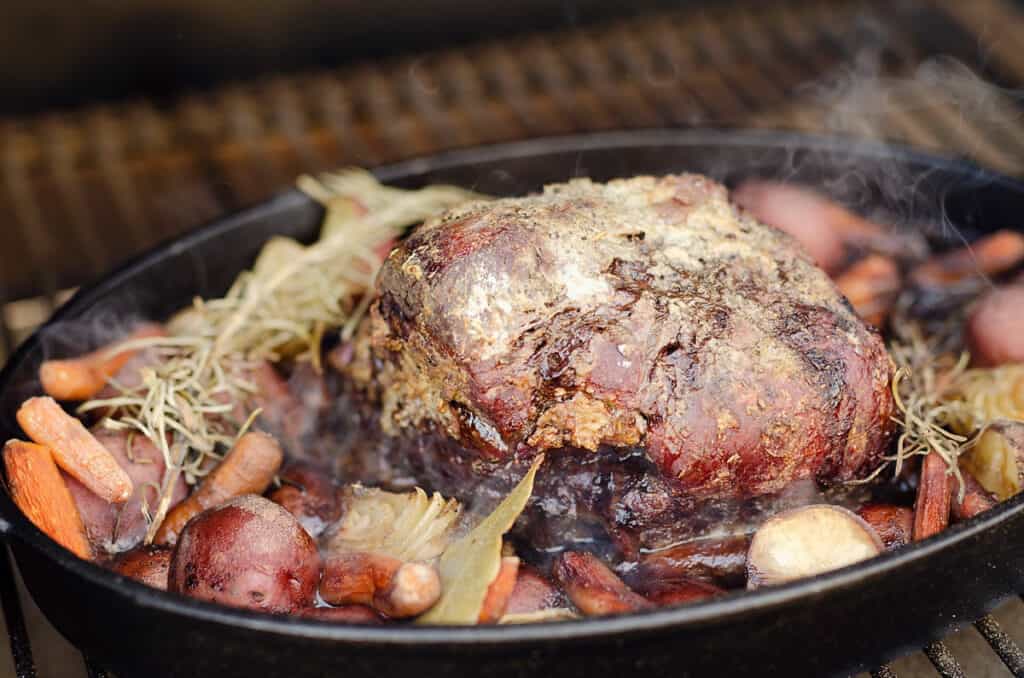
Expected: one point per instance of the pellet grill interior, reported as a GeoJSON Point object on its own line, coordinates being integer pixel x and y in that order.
{"type": "Point", "coordinates": [84, 189]}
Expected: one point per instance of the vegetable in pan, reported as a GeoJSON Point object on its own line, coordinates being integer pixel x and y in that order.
{"type": "Point", "coordinates": [619, 396]}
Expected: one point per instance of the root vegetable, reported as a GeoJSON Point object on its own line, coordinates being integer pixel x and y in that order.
{"type": "Point", "coordinates": [148, 564]}
{"type": "Point", "coordinates": [114, 528]}
{"type": "Point", "coordinates": [976, 499]}
{"type": "Point", "coordinates": [500, 591]}
{"type": "Point", "coordinates": [39, 490]}
{"type": "Point", "coordinates": [719, 560]}
{"type": "Point", "coordinates": [871, 285]}
{"type": "Point", "coordinates": [84, 377]}
{"type": "Point", "coordinates": [75, 449]}
{"type": "Point", "coordinates": [991, 255]}
{"type": "Point", "coordinates": [394, 588]}
{"type": "Point", "coordinates": [250, 553]}
{"type": "Point", "coordinates": [532, 593]}
{"type": "Point", "coordinates": [893, 524]}
{"type": "Point", "coordinates": [934, 495]}
{"type": "Point", "coordinates": [681, 592]}
{"type": "Point", "coordinates": [593, 587]}
{"type": "Point", "coordinates": [310, 496]}
{"type": "Point", "coordinates": [995, 328]}
{"type": "Point", "coordinates": [248, 468]}
{"type": "Point", "coordinates": [826, 229]}
{"type": "Point", "coordinates": [808, 541]}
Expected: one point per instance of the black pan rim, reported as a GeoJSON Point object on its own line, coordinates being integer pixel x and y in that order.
{"type": "Point", "coordinates": [14, 524]}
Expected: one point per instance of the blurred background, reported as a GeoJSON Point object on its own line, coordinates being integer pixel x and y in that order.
{"type": "Point", "coordinates": [123, 123]}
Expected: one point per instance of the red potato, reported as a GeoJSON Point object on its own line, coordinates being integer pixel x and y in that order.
{"type": "Point", "coordinates": [84, 377]}
{"type": "Point", "coordinates": [995, 328]}
{"type": "Point", "coordinates": [149, 565]}
{"type": "Point", "coordinates": [309, 495]}
{"type": "Point", "coordinates": [593, 587]}
{"type": "Point", "coordinates": [113, 528]}
{"type": "Point", "coordinates": [801, 213]}
{"type": "Point", "coordinates": [872, 285]}
{"type": "Point", "coordinates": [248, 468]}
{"type": "Point", "coordinates": [250, 553]}
{"type": "Point", "coordinates": [893, 524]}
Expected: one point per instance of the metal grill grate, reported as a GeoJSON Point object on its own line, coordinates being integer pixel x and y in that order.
{"type": "Point", "coordinates": [80, 191]}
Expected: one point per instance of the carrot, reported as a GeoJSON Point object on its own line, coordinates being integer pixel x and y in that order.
{"type": "Point", "coordinates": [934, 496]}
{"type": "Point", "coordinates": [39, 490]}
{"type": "Point", "coordinates": [393, 587]}
{"type": "Point", "coordinates": [500, 591]}
{"type": "Point", "coordinates": [992, 255]}
{"type": "Point", "coordinates": [593, 587]}
{"type": "Point", "coordinates": [248, 468]}
{"type": "Point", "coordinates": [75, 449]}
{"type": "Point", "coordinates": [871, 285]}
{"type": "Point", "coordinates": [83, 377]}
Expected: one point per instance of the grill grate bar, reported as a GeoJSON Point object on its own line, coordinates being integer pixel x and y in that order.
{"type": "Point", "coordinates": [943, 660]}
{"type": "Point", "coordinates": [21, 646]}
{"type": "Point", "coordinates": [1002, 644]}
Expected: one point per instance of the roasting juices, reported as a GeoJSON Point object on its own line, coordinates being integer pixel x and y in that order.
{"type": "Point", "coordinates": [598, 399]}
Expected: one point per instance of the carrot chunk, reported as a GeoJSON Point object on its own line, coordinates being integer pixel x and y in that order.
{"type": "Point", "coordinates": [83, 377]}
{"type": "Point", "coordinates": [75, 449]}
{"type": "Point", "coordinates": [248, 468]}
{"type": "Point", "coordinates": [39, 490]}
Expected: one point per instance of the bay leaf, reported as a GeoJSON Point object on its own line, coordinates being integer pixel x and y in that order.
{"type": "Point", "coordinates": [470, 564]}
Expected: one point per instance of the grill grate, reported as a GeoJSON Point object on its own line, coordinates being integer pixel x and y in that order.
{"type": "Point", "coordinates": [81, 190]}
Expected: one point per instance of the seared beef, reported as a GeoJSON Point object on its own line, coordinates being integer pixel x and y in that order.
{"type": "Point", "coordinates": [645, 320]}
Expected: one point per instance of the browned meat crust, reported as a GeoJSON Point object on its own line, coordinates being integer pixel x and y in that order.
{"type": "Point", "coordinates": [646, 313]}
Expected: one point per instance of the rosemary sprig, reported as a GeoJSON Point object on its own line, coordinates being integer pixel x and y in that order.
{"type": "Point", "coordinates": [192, 399]}
{"type": "Point", "coordinates": [921, 390]}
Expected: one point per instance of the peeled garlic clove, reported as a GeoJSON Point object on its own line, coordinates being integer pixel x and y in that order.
{"type": "Point", "coordinates": [808, 541]}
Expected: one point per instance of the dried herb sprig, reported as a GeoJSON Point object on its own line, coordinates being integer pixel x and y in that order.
{"type": "Point", "coordinates": [921, 389]}
{"type": "Point", "coordinates": [191, 401]}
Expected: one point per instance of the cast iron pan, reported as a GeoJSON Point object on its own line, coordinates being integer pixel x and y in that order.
{"type": "Point", "coordinates": [844, 621]}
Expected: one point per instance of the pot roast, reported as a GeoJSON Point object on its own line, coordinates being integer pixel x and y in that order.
{"type": "Point", "coordinates": [661, 347]}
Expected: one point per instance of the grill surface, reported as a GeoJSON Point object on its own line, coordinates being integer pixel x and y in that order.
{"type": "Point", "coordinates": [81, 191]}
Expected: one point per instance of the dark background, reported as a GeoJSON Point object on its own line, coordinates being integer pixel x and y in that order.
{"type": "Point", "coordinates": [63, 53]}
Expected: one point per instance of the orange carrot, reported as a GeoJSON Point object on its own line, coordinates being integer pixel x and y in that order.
{"type": "Point", "coordinates": [248, 468]}
{"type": "Point", "coordinates": [500, 591]}
{"type": "Point", "coordinates": [83, 377]}
{"type": "Point", "coordinates": [992, 255]}
{"type": "Point", "coordinates": [871, 285]}
{"type": "Point", "coordinates": [75, 449]}
{"type": "Point", "coordinates": [39, 490]}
